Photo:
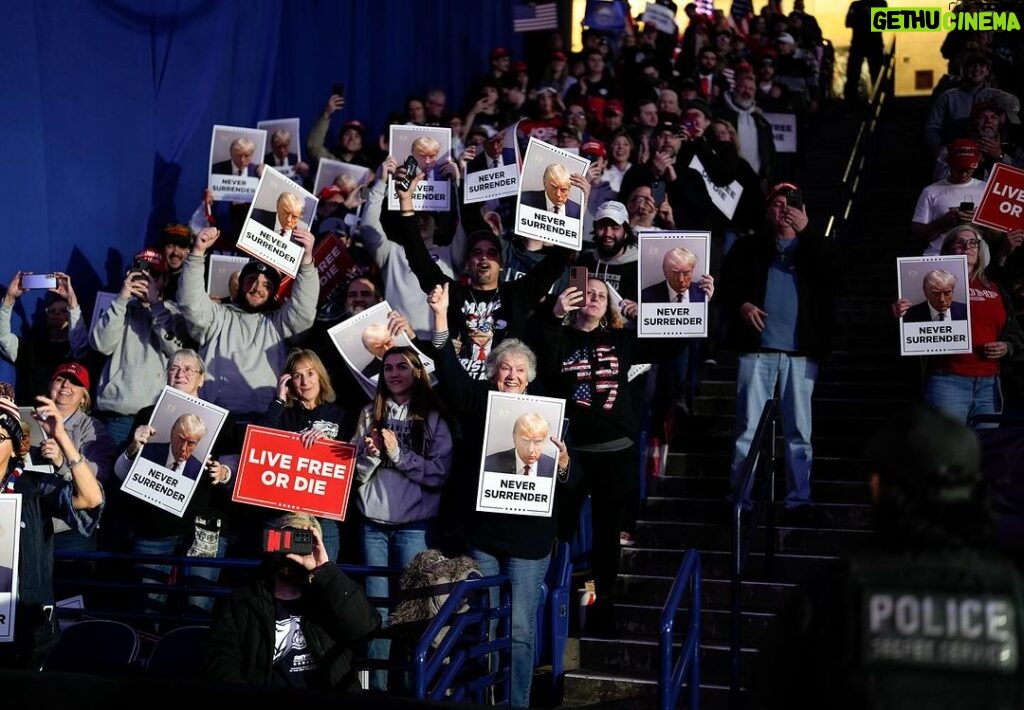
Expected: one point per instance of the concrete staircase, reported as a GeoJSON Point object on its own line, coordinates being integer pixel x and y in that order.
{"type": "Point", "coordinates": [860, 386]}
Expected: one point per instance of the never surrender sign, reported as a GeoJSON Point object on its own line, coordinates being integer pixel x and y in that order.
{"type": "Point", "coordinates": [277, 471]}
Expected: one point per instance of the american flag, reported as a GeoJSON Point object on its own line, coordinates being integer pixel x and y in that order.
{"type": "Point", "coordinates": [528, 16]}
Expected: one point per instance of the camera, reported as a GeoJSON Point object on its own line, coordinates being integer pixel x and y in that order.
{"type": "Point", "coordinates": [411, 170]}
{"type": "Point", "coordinates": [288, 541]}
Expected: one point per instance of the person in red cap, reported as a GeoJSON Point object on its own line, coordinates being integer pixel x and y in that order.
{"type": "Point", "coordinates": [954, 105]}
{"type": "Point", "coordinates": [951, 201]}
{"type": "Point", "coordinates": [137, 333]}
{"type": "Point", "coordinates": [68, 399]}
{"type": "Point", "coordinates": [987, 127]}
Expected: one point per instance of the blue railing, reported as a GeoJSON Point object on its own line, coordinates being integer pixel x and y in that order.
{"type": "Point", "coordinates": [459, 668]}
{"type": "Point", "coordinates": [464, 664]}
{"type": "Point", "coordinates": [760, 457]}
{"type": "Point", "coordinates": [686, 668]}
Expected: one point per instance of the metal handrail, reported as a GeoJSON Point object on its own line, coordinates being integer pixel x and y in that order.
{"type": "Point", "coordinates": [763, 441]}
{"type": "Point", "coordinates": [686, 668]}
{"type": "Point", "coordinates": [856, 163]}
{"type": "Point", "coordinates": [467, 640]}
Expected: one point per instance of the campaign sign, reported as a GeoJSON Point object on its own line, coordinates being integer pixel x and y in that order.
{"type": "Point", "coordinates": [362, 341]}
{"type": "Point", "coordinates": [167, 469]}
{"type": "Point", "coordinates": [332, 264]}
{"type": "Point", "coordinates": [672, 303]}
{"type": "Point", "coordinates": [328, 171]}
{"type": "Point", "coordinates": [1002, 205]}
{"type": "Point", "coordinates": [551, 209]}
{"type": "Point", "coordinates": [10, 538]}
{"type": "Point", "coordinates": [431, 148]}
{"type": "Point", "coordinates": [277, 471]}
{"type": "Point", "coordinates": [234, 154]}
{"type": "Point", "coordinates": [661, 17]}
{"type": "Point", "coordinates": [279, 207]}
{"type": "Point", "coordinates": [519, 466]}
{"type": "Point", "coordinates": [938, 321]}
{"type": "Point", "coordinates": [783, 131]}
{"type": "Point", "coordinates": [222, 267]}
{"type": "Point", "coordinates": [494, 172]}
{"type": "Point", "coordinates": [726, 197]}
{"type": "Point", "coordinates": [287, 132]}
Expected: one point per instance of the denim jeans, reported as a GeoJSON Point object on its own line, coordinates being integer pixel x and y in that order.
{"type": "Point", "coordinates": [526, 577]}
{"type": "Point", "coordinates": [755, 384]}
{"type": "Point", "coordinates": [388, 546]}
{"type": "Point", "coordinates": [963, 397]}
{"type": "Point", "coordinates": [331, 538]}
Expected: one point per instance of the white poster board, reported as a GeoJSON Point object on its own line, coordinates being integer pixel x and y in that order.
{"type": "Point", "coordinates": [267, 218]}
{"type": "Point", "coordinates": [724, 198]}
{"type": "Point", "coordinates": [10, 548]}
{"type": "Point", "coordinates": [662, 278]}
{"type": "Point", "coordinates": [921, 333]}
{"type": "Point", "coordinates": [432, 193]}
{"type": "Point", "coordinates": [178, 420]}
{"type": "Point", "coordinates": [519, 463]}
{"type": "Point", "coordinates": [544, 167]}
{"type": "Point", "coordinates": [294, 156]}
{"type": "Point", "coordinates": [223, 182]}
{"type": "Point", "coordinates": [783, 131]}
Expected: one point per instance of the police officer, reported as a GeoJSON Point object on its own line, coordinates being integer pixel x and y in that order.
{"type": "Point", "coordinates": [930, 615]}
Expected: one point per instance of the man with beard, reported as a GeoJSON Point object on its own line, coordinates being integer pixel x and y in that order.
{"type": "Point", "coordinates": [757, 142]}
{"type": "Point", "coordinates": [614, 255]}
{"type": "Point", "coordinates": [297, 625]}
{"type": "Point", "coordinates": [246, 341]}
{"type": "Point", "coordinates": [174, 243]}
{"type": "Point", "coordinates": [486, 310]}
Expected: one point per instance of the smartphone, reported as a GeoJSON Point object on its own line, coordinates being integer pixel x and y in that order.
{"type": "Point", "coordinates": [966, 207]}
{"type": "Point", "coordinates": [31, 281]}
{"type": "Point", "coordinates": [658, 192]}
{"type": "Point", "coordinates": [411, 169]}
{"type": "Point", "coordinates": [338, 90]}
{"type": "Point", "coordinates": [578, 277]}
{"type": "Point", "coordinates": [794, 198]}
{"type": "Point", "coordinates": [288, 540]}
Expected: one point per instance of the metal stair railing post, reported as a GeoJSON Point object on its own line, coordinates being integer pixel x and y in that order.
{"type": "Point", "coordinates": [757, 458]}
{"type": "Point", "coordinates": [686, 668]}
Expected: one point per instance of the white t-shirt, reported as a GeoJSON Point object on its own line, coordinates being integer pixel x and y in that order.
{"type": "Point", "coordinates": [936, 199]}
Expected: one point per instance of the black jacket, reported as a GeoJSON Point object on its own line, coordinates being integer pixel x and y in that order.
{"type": "Point", "coordinates": [336, 616]}
{"type": "Point", "coordinates": [745, 279]}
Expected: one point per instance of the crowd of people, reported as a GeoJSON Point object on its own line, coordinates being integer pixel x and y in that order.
{"type": "Point", "coordinates": [494, 311]}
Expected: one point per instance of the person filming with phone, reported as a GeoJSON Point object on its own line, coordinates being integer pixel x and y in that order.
{"type": "Point", "coordinates": [777, 289]}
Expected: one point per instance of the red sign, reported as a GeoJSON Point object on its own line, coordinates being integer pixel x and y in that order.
{"type": "Point", "coordinates": [277, 471]}
{"type": "Point", "coordinates": [332, 263]}
{"type": "Point", "coordinates": [1002, 205]}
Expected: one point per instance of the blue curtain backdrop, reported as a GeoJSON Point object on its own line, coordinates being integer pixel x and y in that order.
{"type": "Point", "coordinates": [108, 104]}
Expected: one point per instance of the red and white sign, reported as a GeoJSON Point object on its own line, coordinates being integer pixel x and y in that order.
{"type": "Point", "coordinates": [277, 471]}
{"type": "Point", "coordinates": [1002, 205]}
{"type": "Point", "coordinates": [332, 264]}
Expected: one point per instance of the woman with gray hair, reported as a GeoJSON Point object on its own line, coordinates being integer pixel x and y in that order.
{"type": "Point", "coordinates": [968, 385]}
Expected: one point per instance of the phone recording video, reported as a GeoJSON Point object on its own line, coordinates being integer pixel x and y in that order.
{"type": "Point", "coordinates": [35, 281]}
{"type": "Point", "coordinates": [578, 277]}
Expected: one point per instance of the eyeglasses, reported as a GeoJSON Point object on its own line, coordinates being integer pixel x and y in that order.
{"type": "Point", "coordinates": [4, 437]}
{"type": "Point", "coordinates": [187, 371]}
{"type": "Point", "coordinates": [967, 243]}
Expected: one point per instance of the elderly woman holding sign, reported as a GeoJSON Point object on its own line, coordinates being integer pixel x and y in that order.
{"type": "Point", "coordinates": [519, 545]}
{"type": "Point", "coordinates": [305, 404]}
{"type": "Point", "coordinates": [202, 530]}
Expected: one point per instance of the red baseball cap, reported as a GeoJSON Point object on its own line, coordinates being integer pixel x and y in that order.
{"type": "Point", "coordinates": [330, 191]}
{"type": "Point", "coordinates": [964, 154]}
{"type": "Point", "coordinates": [355, 125]}
{"type": "Point", "coordinates": [499, 52]}
{"type": "Point", "coordinates": [154, 258]}
{"type": "Point", "coordinates": [73, 371]}
{"type": "Point", "coordinates": [613, 106]}
{"type": "Point", "coordinates": [594, 148]}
